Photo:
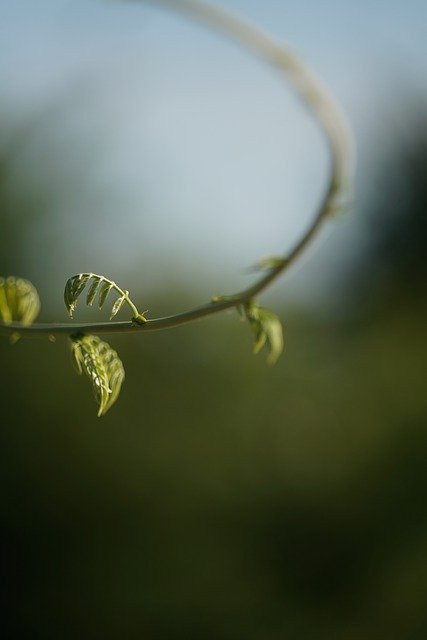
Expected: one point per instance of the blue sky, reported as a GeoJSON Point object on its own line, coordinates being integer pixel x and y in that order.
{"type": "Point", "coordinates": [195, 150]}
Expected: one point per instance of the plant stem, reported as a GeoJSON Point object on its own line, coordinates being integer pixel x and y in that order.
{"type": "Point", "coordinates": [328, 115]}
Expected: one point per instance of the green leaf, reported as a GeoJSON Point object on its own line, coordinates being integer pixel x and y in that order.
{"type": "Point", "coordinates": [103, 367]}
{"type": "Point", "coordinates": [73, 289]}
{"type": "Point", "coordinates": [79, 283]}
{"type": "Point", "coordinates": [19, 301]}
{"type": "Point", "coordinates": [96, 285]}
{"type": "Point", "coordinates": [92, 291]}
{"type": "Point", "coordinates": [274, 332]}
{"type": "Point", "coordinates": [103, 293]}
{"type": "Point", "coordinates": [268, 330]}
{"type": "Point", "coordinates": [268, 263]}
{"type": "Point", "coordinates": [117, 306]}
{"type": "Point", "coordinates": [260, 339]}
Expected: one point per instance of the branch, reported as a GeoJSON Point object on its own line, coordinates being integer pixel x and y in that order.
{"type": "Point", "coordinates": [329, 117]}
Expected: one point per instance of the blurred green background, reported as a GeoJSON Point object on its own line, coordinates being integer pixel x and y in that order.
{"type": "Point", "coordinates": [220, 498]}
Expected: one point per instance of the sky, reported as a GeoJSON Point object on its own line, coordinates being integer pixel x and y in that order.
{"type": "Point", "coordinates": [194, 158]}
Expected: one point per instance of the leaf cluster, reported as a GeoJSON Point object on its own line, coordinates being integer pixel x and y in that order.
{"type": "Point", "coordinates": [103, 367]}
{"type": "Point", "coordinates": [267, 328]}
{"type": "Point", "coordinates": [97, 286]}
{"type": "Point", "coordinates": [19, 301]}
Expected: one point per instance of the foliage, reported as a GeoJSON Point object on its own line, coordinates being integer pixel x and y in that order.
{"type": "Point", "coordinates": [19, 301]}
{"type": "Point", "coordinates": [102, 366]}
{"type": "Point", "coordinates": [267, 328]}
{"type": "Point", "coordinates": [98, 285]}
{"type": "Point", "coordinates": [96, 358]}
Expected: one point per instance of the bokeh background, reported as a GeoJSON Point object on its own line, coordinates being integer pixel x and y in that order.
{"type": "Point", "coordinates": [220, 499]}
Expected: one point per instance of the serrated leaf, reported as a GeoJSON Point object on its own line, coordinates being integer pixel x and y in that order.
{"type": "Point", "coordinates": [19, 301]}
{"type": "Point", "coordinates": [103, 367]}
{"type": "Point", "coordinates": [117, 306]}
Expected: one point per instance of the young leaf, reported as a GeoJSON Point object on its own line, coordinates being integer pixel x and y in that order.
{"type": "Point", "coordinates": [274, 332]}
{"type": "Point", "coordinates": [73, 289]}
{"type": "Point", "coordinates": [268, 330]}
{"type": "Point", "coordinates": [92, 291]}
{"type": "Point", "coordinates": [19, 301]}
{"type": "Point", "coordinates": [79, 283]}
{"type": "Point", "coordinates": [268, 263]}
{"type": "Point", "coordinates": [117, 306]}
{"type": "Point", "coordinates": [103, 293]}
{"type": "Point", "coordinates": [98, 285]}
{"type": "Point", "coordinates": [102, 366]}
{"type": "Point", "coordinates": [260, 339]}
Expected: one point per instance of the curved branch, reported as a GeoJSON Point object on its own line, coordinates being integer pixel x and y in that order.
{"type": "Point", "coordinates": [326, 112]}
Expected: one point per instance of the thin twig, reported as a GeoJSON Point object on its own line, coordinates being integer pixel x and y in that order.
{"type": "Point", "coordinates": [328, 115]}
